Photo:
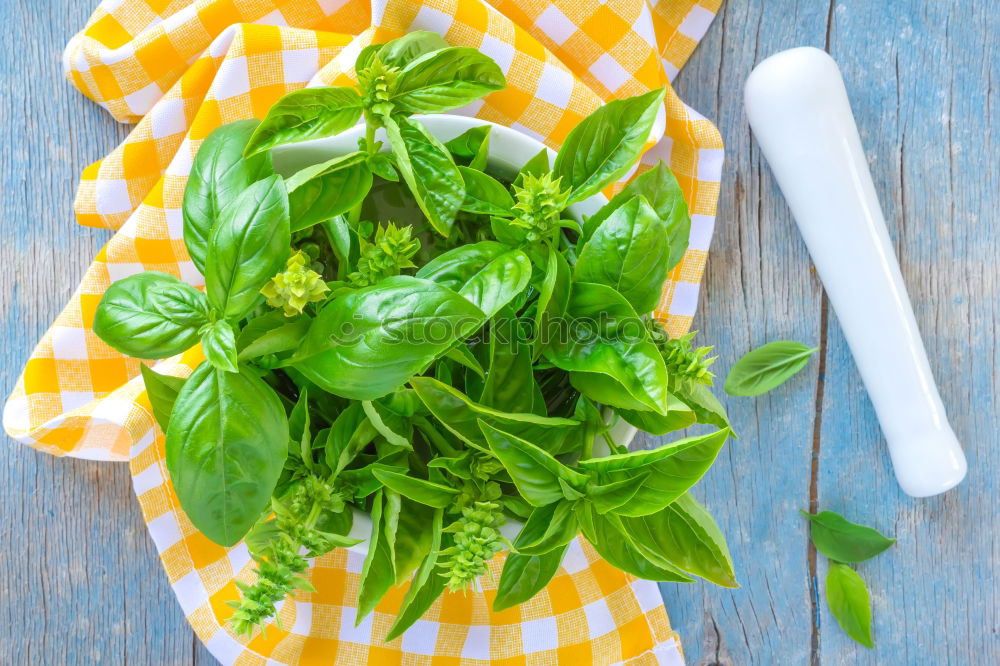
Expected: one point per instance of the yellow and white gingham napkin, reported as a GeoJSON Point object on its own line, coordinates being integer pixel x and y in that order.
{"type": "Point", "coordinates": [179, 69]}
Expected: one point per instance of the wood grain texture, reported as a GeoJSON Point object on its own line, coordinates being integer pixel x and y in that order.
{"type": "Point", "coordinates": [79, 578]}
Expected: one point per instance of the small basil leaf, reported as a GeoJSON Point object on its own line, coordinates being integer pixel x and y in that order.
{"type": "Point", "coordinates": [162, 392]}
{"type": "Point", "coordinates": [553, 299]}
{"type": "Point", "coordinates": [284, 337]}
{"type": "Point", "coordinates": [426, 585]}
{"type": "Point", "coordinates": [661, 190]}
{"type": "Point", "coordinates": [612, 541]}
{"type": "Point", "coordinates": [658, 424]}
{"type": "Point", "coordinates": [326, 190]}
{"type": "Point", "coordinates": [703, 403]}
{"type": "Point", "coordinates": [393, 428]}
{"type": "Point", "coordinates": [606, 144]}
{"type": "Point", "coordinates": [218, 175]}
{"type": "Point", "coordinates": [248, 246]}
{"type": "Point", "coordinates": [524, 576]}
{"type": "Point", "coordinates": [413, 538]}
{"type": "Point", "coordinates": [767, 367]}
{"type": "Point", "coordinates": [366, 56]}
{"type": "Point", "coordinates": [309, 113]}
{"type": "Point", "coordinates": [219, 344]}
{"type": "Point", "coordinates": [369, 342]}
{"type": "Point", "coordinates": [536, 166]}
{"type": "Point", "coordinates": [849, 602]}
{"type": "Point", "coordinates": [629, 251]}
{"type": "Point", "coordinates": [411, 46]}
{"type": "Point", "coordinates": [377, 572]}
{"type": "Point", "coordinates": [226, 445]}
{"type": "Point", "coordinates": [446, 79]}
{"type": "Point", "coordinates": [383, 166]}
{"type": "Point", "coordinates": [499, 282]}
{"type": "Point", "coordinates": [844, 541]}
{"type": "Point", "coordinates": [471, 147]}
{"type": "Point", "coordinates": [484, 194]}
{"type": "Point", "coordinates": [510, 385]}
{"type": "Point", "coordinates": [548, 528]}
{"type": "Point", "coordinates": [137, 315]}
{"type": "Point", "coordinates": [430, 494]}
{"type": "Point", "coordinates": [460, 354]}
{"type": "Point", "coordinates": [428, 170]}
{"type": "Point", "coordinates": [609, 497]}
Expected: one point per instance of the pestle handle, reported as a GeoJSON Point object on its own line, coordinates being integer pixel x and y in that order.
{"type": "Point", "coordinates": [801, 117]}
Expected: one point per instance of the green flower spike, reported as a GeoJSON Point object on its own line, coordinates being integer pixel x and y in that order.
{"type": "Point", "coordinates": [386, 256]}
{"type": "Point", "coordinates": [378, 81]}
{"type": "Point", "coordinates": [295, 287]}
{"type": "Point", "coordinates": [683, 360]}
{"type": "Point", "coordinates": [540, 200]}
{"type": "Point", "coordinates": [477, 540]}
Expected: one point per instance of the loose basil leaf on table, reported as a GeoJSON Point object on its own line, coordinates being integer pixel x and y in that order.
{"type": "Point", "coordinates": [662, 192]}
{"type": "Point", "coordinates": [326, 190]}
{"type": "Point", "coordinates": [843, 541]}
{"type": "Point", "coordinates": [310, 113]}
{"type": "Point", "coordinates": [849, 602]}
{"type": "Point", "coordinates": [226, 444]}
{"type": "Point", "coordinates": [248, 246]}
{"type": "Point", "coordinates": [605, 145]}
{"type": "Point", "coordinates": [218, 175]}
{"type": "Point", "coordinates": [369, 342]}
{"type": "Point", "coordinates": [767, 367]}
{"type": "Point", "coordinates": [445, 79]}
{"type": "Point", "coordinates": [218, 341]}
{"type": "Point", "coordinates": [629, 252]}
{"type": "Point", "coordinates": [428, 170]}
{"type": "Point", "coordinates": [524, 576]}
{"type": "Point", "coordinates": [161, 390]}
{"type": "Point", "coordinates": [150, 315]}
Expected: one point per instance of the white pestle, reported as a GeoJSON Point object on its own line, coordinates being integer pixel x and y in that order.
{"type": "Point", "coordinates": [800, 115]}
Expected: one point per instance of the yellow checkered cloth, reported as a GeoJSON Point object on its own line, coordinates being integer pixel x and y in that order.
{"type": "Point", "coordinates": [179, 69]}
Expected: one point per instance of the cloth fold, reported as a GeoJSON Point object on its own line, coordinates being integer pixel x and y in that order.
{"type": "Point", "coordinates": [179, 69]}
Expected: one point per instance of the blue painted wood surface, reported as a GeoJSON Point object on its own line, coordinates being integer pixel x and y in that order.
{"type": "Point", "coordinates": [79, 579]}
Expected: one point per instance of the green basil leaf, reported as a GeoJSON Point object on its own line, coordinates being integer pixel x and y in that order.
{"type": "Point", "coordinates": [366, 56]}
{"type": "Point", "coordinates": [218, 175]}
{"type": "Point", "coordinates": [248, 246]}
{"type": "Point", "coordinates": [606, 144]}
{"type": "Point", "coordinates": [430, 494]}
{"type": "Point", "coordinates": [369, 342]}
{"type": "Point", "coordinates": [219, 344]}
{"type": "Point", "coordinates": [548, 528]}
{"type": "Point", "coordinates": [226, 445]}
{"type": "Point", "coordinates": [413, 538]}
{"type": "Point", "coordinates": [455, 267]}
{"type": "Point", "coordinates": [553, 299]}
{"type": "Point", "coordinates": [309, 113]}
{"type": "Point", "coordinates": [843, 541]}
{"type": "Point", "coordinates": [499, 282]}
{"type": "Point", "coordinates": [703, 403]}
{"type": "Point", "coordinates": [162, 392]}
{"type": "Point", "coordinates": [536, 166]}
{"type": "Point", "coordinates": [668, 470]}
{"type": "Point", "coordinates": [426, 166]}
{"type": "Point", "coordinates": [612, 541]}
{"type": "Point", "coordinates": [325, 190]}
{"type": "Point", "coordinates": [284, 337]}
{"type": "Point", "coordinates": [471, 147]}
{"type": "Point", "coordinates": [602, 334]}
{"type": "Point", "coordinates": [524, 576]}
{"type": "Point", "coordinates": [485, 195]}
{"type": "Point", "coordinates": [767, 367]}
{"type": "Point", "coordinates": [659, 424]}
{"type": "Point", "coordinates": [510, 384]}
{"type": "Point", "coordinates": [446, 79]}
{"type": "Point", "coordinates": [534, 471]}
{"type": "Point", "coordinates": [377, 573]}
{"type": "Point", "coordinates": [460, 354]}
{"type": "Point", "coordinates": [383, 166]}
{"type": "Point", "coordinates": [849, 602]}
{"type": "Point", "coordinates": [426, 585]}
{"type": "Point", "coordinates": [660, 189]}
{"type": "Point", "coordinates": [411, 46]}
{"type": "Point", "coordinates": [350, 433]}
{"type": "Point", "coordinates": [461, 416]}
{"type": "Point", "coordinates": [605, 498]}
{"type": "Point", "coordinates": [685, 535]}
{"type": "Point", "coordinates": [150, 315]}
{"type": "Point", "coordinates": [628, 252]}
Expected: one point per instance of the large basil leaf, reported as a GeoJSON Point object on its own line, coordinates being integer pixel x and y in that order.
{"type": "Point", "coordinates": [248, 246]}
{"type": "Point", "coordinates": [499, 282]}
{"type": "Point", "coordinates": [461, 416]}
{"type": "Point", "coordinates": [534, 471]}
{"type": "Point", "coordinates": [606, 144]}
{"type": "Point", "coordinates": [377, 572]}
{"type": "Point", "coordinates": [668, 471]}
{"type": "Point", "coordinates": [425, 492]}
{"type": "Point", "coordinates": [660, 189]}
{"type": "Point", "coordinates": [325, 190]}
{"type": "Point", "coordinates": [446, 79]}
{"type": "Point", "coordinates": [150, 315]}
{"type": "Point", "coordinates": [602, 334]}
{"type": "Point", "coordinates": [309, 113]}
{"type": "Point", "coordinates": [428, 170]}
{"type": "Point", "coordinates": [485, 194]}
{"type": "Point", "coordinates": [686, 536]}
{"type": "Point", "coordinates": [161, 390]}
{"type": "Point", "coordinates": [409, 47]}
{"type": "Point", "coordinates": [524, 576]}
{"type": "Point", "coordinates": [457, 266]}
{"type": "Point", "coordinates": [218, 175]}
{"type": "Point", "coordinates": [612, 541]}
{"type": "Point", "coordinates": [629, 252]}
{"type": "Point", "coordinates": [226, 444]}
{"type": "Point", "coordinates": [427, 583]}
{"type": "Point", "coordinates": [553, 299]}
{"type": "Point", "coordinates": [367, 343]}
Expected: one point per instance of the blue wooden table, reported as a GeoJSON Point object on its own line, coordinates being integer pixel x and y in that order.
{"type": "Point", "coordinates": [80, 582]}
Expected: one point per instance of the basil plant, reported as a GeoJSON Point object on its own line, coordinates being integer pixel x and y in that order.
{"type": "Point", "coordinates": [409, 334]}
